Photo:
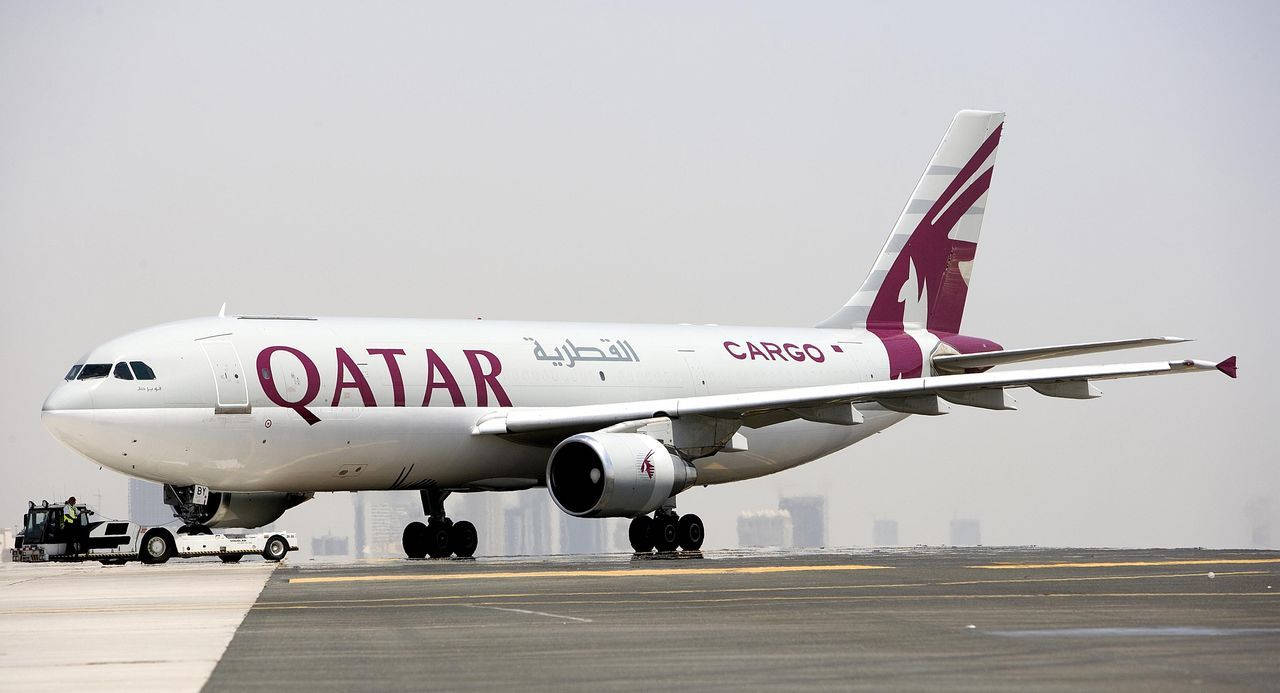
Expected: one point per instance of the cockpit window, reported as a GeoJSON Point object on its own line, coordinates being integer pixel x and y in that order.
{"type": "Point", "coordinates": [142, 370]}
{"type": "Point", "coordinates": [75, 370]}
{"type": "Point", "coordinates": [94, 370]}
{"type": "Point", "coordinates": [122, 371]}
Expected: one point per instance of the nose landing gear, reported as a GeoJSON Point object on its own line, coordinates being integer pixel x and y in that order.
{"type": "Point", "coordinates": [666, 531]}
{"type": "Point", "coordinates": [440, 537]}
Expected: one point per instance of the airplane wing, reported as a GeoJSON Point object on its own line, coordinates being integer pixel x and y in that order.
{"type": "Point", "coordinates": [835, 403]}
{"type": "Point", "coordinates": [957, 363]}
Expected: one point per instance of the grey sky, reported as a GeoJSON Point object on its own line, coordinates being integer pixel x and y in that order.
{"type": "Point", "coordinates": [678, 162]}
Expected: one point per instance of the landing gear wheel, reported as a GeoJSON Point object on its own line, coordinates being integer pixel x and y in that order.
{"type": "Point", "coordinates": [194, 530]}
{"type": "Point", "coordinates": [414, 540]}
{"type": "Point", "coordinates": [113, 561]}
{"type": "Point", "coordinates": [276, 549]}
{"type": "Point", "coordinates": [689, 532]}
{"type": "Point", "coordinates": [157, 547]}
{"type": "Point", "coordinates": [463, 539]}
{"type": "Point", "coordinates": [664, 533]}
{"type": "Point", "coordinates": [231, 557]}
{"type": "Point", "coordinates": [638, 533]}
{"type": "Point", "coordinates": [437, 539]}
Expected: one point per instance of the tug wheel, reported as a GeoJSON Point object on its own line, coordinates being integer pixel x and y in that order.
{"type": "Point", "coordinates": [276, 549]}
{"type": "Point", "coordinates": [157, 547]}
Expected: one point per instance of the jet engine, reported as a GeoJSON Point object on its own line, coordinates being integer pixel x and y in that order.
{"type": "Point", "coordinates": [225, 509]}
{"type": "Point", "coordinates": [614, 474]}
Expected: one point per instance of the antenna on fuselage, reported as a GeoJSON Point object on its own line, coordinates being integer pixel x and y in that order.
{"type": "Point", "coordinates": [222, 312]}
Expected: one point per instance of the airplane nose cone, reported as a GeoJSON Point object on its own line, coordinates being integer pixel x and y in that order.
{"type": "Point", "coordinates": [66, 411]}
{"type": "Point", "coordinates": [67, 397]}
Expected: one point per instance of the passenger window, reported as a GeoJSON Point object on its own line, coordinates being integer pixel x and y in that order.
{"type": "Point", "coordinates": [75, 370]}
{"type": "Point", "coordinates": [142, 370]}
{"type": "Point", "coordinates": [94, 370]}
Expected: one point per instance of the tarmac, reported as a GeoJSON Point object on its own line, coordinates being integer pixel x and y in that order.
{"type": "Point", "coordinates": [980, 618]}
{"type": "Point", "coordinates": [88, 627]}
{"type": "Point", "coordinates": [901, 619]}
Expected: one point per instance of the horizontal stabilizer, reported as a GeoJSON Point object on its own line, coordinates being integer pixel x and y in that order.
{"type": "Point", "coordinates": [958, 363]}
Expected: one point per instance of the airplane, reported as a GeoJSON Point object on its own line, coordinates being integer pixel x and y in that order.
{"type": "Point", "coordinates": [244, 416]}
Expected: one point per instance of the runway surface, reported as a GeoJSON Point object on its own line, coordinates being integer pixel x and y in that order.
{"type": "Point", "coordinates": [980, 618]}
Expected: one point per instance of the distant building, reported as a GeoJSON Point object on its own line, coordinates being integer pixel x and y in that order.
{"type": "Point", "coordinates": [527, 524]}
{"type": "Point", "coordinates": [380, 520]}
{"type": "Point", "coordinates": [965, 532]}
{"type": "Point", "coordinates": [484, 510]}
{"type": "Point", "coordinates": [808, 519]}
{"type": "Point", "coordinates": [1259, 513]}
{"type": "Point", "coordinates": [621, 531]}
{"type": "Point", "coordinates": [329, 545]}
{"type": "Point", "coordinates": [884, 533]}
{"type": "Point", "coordinates": [7, 536]}
{"type": "Point", "coordinates": [581, 535]}
{"type": "Point", "coordinates": [146, 504]}
{"type": "Point", "coordinates": [765, 528]}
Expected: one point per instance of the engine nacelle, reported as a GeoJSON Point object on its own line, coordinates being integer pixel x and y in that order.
{"type": "Point", "coordinates": [614, 474]}
{"type": "Point", "coordinates": [226, 509]}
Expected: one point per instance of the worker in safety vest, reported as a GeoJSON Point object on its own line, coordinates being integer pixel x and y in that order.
{"type": "Point", "coordinates": [69, 512]}
{"type": "Point", "coordinates": [69, 517]}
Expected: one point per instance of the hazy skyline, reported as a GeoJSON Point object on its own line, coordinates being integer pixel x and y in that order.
{"type": "Point", "coordinates": [721, 162]}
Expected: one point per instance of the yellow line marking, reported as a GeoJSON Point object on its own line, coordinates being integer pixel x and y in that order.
{"type": "Point", "coordinates": [811, 598]}
{"type": "Point", "coordinates": [1125, 564]}
{"type": "Point", "coordinates": [718, 590]}
{"type": "Point", "coordinates": [622, 572]}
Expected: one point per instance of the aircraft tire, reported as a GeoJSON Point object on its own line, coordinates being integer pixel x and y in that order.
{"type": "Point", "coordinates": [690, 532]}
{"type": "Point", "coordinates": [157, 547]}
{"type": "Point", "coordinates": [463, 539]}
{"type": "Point", "coordinates": [437, 540]}
{"type": "Point", "coordinates": [414, 540]}
{"type": "Point", "coordinates": [664, 532]}
{"type": "Point", "coordinates": [276, 549]}
{"type": "Point", "coordinates": [231, 557]}
{"type": "Point", "coordinates": [638, 533]}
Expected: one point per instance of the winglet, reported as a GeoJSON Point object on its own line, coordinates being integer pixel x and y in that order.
{"type": "Point", "coordinates": [1228, 366]}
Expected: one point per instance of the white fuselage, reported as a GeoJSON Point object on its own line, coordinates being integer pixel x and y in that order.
{"type": "Point", "coordinates": [346, 404]}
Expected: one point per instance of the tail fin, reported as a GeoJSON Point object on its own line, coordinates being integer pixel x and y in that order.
{"type": "Point", "coordinates": [921, 278]}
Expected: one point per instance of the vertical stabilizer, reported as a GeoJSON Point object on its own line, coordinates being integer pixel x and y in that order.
{"type": "Point", "coordinates": [921, 278]}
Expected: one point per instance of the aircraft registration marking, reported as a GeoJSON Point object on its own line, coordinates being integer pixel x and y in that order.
{"type": "Point", "coordinates": [1125, 564]}
{"type": "Point", "coordinates": [621, 572]}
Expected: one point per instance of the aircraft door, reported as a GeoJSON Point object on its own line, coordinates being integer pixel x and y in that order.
{"type": "Point", "coordinates": [228, 377]}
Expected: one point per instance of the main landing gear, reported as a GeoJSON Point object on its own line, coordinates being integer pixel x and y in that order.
{"type": "Point", "coordinates": [665, 531]}
{"type": "Point", "coordinates": [440, 537]}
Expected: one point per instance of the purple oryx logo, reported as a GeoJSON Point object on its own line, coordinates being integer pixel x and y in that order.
{"type": "Point", "coordinates": [646, 465]}
{"type": "Point", "coordinates": [928, 278]}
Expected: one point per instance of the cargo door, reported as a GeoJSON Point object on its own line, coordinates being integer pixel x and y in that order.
{"type": "Point", "coordinates": [228, 377]}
